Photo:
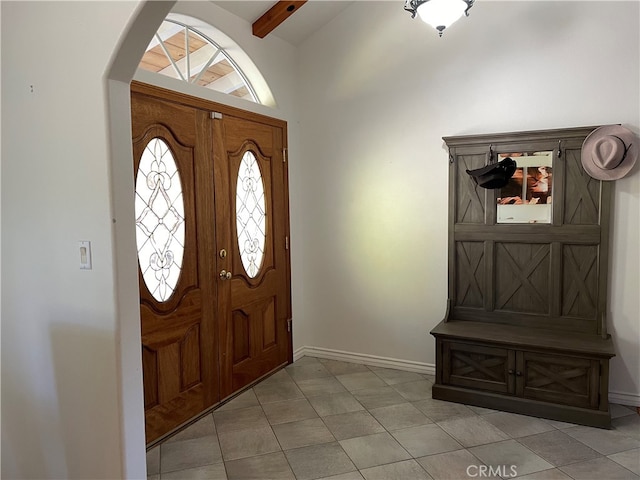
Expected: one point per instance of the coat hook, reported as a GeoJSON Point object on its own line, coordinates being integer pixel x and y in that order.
{"type": "Point", "coordinates": [451, 159]}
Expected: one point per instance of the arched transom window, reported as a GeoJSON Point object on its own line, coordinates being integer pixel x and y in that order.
{"type": "Point", "coordinates": [181, 52]}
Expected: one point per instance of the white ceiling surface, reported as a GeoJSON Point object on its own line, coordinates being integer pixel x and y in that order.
{"type": "Point", "coordinates": [298, 27]}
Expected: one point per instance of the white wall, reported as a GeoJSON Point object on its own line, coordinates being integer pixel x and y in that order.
{"type": "Point", "coordinates": [60, 413]}
{"type": "Point", "coordinates": [71, 380]}
{"type": "Point", "coordinates": [379, 90]}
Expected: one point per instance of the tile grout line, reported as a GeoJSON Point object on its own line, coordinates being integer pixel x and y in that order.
{"type": "Point", "coordinates": [306, 399]}
{"type": "Point", "coordinates": [619, 464]}
{"type": "Point", "coordinates": [387, 431]}
{"type": "Point", "coordinates": [327, 427]}
{"type": "Point", "coordinates": [358, 469]}
{"type": "Point", "coordinates": [368, 412]}
{"type": "Point", "coordinates": [390, 432]}
{"type": "Point", "coordinates": [274, 434]}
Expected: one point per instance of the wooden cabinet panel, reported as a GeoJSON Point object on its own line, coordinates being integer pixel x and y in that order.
{"type": "Point", "coordinates": [580, 281]}
{"type": "Point", "coordinates": [540, 376]}
{"type": "Point", "coordinates": [582, 193]}
{"type": "Point", "coordinates": [522, 277]}
{"type": "Point", "coordinates": [559, 379]}
{"type": "Point", "coordinates": [479, 367]}
{"type": "Point", "coordinates": [470, 199]}
{"type": "Point", "coordinates": [470, 274]}
{"type": "Point", "coordinates": [525, 371]}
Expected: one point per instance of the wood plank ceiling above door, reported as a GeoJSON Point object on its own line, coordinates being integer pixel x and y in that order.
{"type": "Point", "coordinates": [157, 59]}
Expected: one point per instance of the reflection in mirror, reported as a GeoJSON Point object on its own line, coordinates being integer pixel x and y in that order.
{"type": "Point", "coordinates": [527, 197]}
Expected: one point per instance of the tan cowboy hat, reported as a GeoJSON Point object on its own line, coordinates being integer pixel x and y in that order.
{"type": "Point", "coordinates": [609, 152]}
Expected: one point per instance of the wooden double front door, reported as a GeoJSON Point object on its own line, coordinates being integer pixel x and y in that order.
{"type": "Point", "coordinates": [211, 207]}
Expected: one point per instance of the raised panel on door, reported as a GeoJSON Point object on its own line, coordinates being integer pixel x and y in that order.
{"type": "Point", "coordinates": [559, 379]}
{"type": "Point", "coordinates": [479, 367]}
{"type": "Point", "coordinates": [177, 296]}
{"type": "Point", "coordinates": [251, 203]}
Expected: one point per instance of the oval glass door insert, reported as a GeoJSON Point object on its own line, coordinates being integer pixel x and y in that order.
{"type": "Point", "coordinates": [251, 216]}
{"type": "Point", "coordinates": [160, 227]}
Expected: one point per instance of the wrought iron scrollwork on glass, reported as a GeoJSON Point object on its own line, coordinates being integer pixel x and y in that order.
{"type": "Point", "coordinates": [251, 215]}
{"type": "Point", "coordinates": [160, 219]}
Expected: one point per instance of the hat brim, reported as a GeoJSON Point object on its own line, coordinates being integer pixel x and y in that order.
{"type": "Point", "coordinates": [494, 175]}
{"type": "Point", "coordinates": [631, 142]}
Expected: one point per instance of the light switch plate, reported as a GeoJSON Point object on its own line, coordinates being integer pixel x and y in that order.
{"type": "Point", "coordinates": [85, 254]}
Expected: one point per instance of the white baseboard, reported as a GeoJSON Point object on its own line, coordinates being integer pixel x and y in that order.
{"type": "Point", "coordinates": [631, 399]}
{"type": "Point", "coordinates": [372, 360]}
{"type": "Point", "coordinates": [419, 367]}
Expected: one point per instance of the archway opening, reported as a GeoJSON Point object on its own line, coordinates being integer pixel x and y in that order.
{"type": "Point", "coordinates": [143, 26]}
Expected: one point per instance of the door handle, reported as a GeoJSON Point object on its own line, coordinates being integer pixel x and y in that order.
{"type": "Point", "coordinates": [224, 275]}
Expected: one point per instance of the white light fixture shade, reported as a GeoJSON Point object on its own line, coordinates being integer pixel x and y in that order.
{"type": "Point", "coordinates": [441, 13]}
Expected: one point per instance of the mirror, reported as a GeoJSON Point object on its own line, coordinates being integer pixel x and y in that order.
{"type": "Point", "coordinates": [528, 195]}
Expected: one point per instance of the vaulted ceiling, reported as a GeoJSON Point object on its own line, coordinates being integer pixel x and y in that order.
{"type": "Point", "coordinates": [299, 26]}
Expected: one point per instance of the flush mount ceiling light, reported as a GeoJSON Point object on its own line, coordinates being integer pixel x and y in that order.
{"type": "Point", "coordinates": [438, 13]}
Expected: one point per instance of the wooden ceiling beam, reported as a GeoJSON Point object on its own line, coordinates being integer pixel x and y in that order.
{"type": "Point", "coordinates": [275, 16]}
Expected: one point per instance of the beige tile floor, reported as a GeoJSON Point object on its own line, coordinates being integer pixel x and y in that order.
{"type": "Point", "coordinates": [325, 419]}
